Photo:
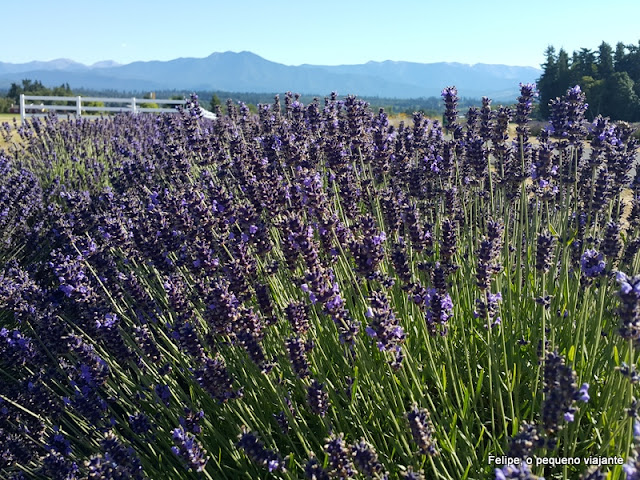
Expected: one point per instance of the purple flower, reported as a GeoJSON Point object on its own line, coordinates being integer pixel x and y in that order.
{"type": "Point", "coordinates": [164, 393]}
{"type": "Point", "coordinates": [592, 263]}
{"type": "Point", "coordinates": [384, 325]}
{"type": "Point", "coordinates": [631, 470]}
{"type": "Point", "coordinates": [421, 430]}
{"type": "Point", "coordinates": [297, 350]}
{"type": "Point", "coordinates": [378, 239]}
{"type": "Point", "coordinates": [116, 461]}
{"type": "Point", "coordinates": [214, 378]}
{"type": "Point", "coordinates": [561, 392]}
{"type": "Point", "coordinates": [583, 393]}
{"type": "Point", "coordinates": [450, 97]}
{"type": "Point", "coordinates": [256, 451]}
{"type": "Point", "coordinates": [612, 243]}
{"type": "Point", "coordinates": [340, 464]}
{"type": "Point", "coordinates": [317, 398]}
{"type": "Point", "coordinates": [629, 310]}
{"type": "Point", "coordinates": [567, 115]}
{"type": "Point", "coordinates": [410, 474]}
{"type": "Point", "coordinates": [313, 470]}
{"type": "Point", "coordinates": [366, 459]}
{"type": "Point", "coordinates": [189, 449]}
{"type": "Point", "coordinates": [440, 310]}
{"type": "Point", "coordinates": [191, 420]}
{"type": "Point", "coordinates": [544, 251]}
{"type": "Point", "coordinates": [298, 316]}
{"type": "Point", "coordinates": [139, 423]}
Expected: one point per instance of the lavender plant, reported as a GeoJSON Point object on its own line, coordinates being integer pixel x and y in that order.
{"type": "Point", "coordinates": [312, 292]}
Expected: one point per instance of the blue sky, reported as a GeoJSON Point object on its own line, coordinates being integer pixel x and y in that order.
{"type": "Point", "coordinates": [330, 32]}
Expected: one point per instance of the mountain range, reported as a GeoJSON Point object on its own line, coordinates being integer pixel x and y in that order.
{"type": "Point", "coordinates": [248, 72]}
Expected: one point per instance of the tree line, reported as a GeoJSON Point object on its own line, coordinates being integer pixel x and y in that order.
{"type": "Point", "coordinates": [609, 78]}
{"type": "Point", "coordinates": [31, 87]}
{"type": "Point", "coordinates": [36, 87]}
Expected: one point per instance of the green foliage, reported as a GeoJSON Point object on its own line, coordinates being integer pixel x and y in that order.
{"type": "Point", "coordinates": [5, 104]}
{"type": "Point", "coordinates": [148, 96]}
{"type": "Point", "coordinates": [35, 87]}
{"type": "Point", "coordinates": [215, 102]}
{"type": "Point", "coordinates": [620, 97]}
{"type": "Point", "coordinates": [610, 79]}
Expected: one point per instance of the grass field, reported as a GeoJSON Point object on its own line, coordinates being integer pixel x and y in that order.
{"type": "Point", "coordinates": [8, 117]}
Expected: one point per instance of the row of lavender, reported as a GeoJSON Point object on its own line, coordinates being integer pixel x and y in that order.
{"type": "Point", "coordinates": [312, 292]}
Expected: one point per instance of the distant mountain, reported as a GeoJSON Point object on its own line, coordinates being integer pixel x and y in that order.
{"type": "Point", "coordinates": [61, 64]}
{"type": "Point", "coordinates": [105, 64]}
{"type": "Point", "coordinates": [248, 72]}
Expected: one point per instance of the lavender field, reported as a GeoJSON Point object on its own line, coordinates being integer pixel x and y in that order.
{"type": "Point", "coordinates": [310, 292]}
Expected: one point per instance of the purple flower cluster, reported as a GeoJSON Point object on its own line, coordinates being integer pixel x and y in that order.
{"type": "Point", "coordinates": [632, 467]}
{"type": "Point", "coordinates": [629, 310]}
{"type": "Point", "coordinates": [544, 252]}
{"type": "Point", "coordinates": [340, 457]}
{"type": "Point", "coordinates": [257, 452]}
{"type": "Point", "coordinates": [489, 310]}
{"type": "Point", "coordinates": [522, 148]}
{"type": "Point", "coordinates": [314, 471]}
{"type": "Point", "coordinates": [171, 264]}
{"type": "Point", "coordinates": [410, 474]}
{"type": "Point", "coordinates": [488, 254]}
{"type": "Point", "coordinates": [215, 380]}
{"type": "Point", "coordinates": [368, 249]}
{"type": "Point", "coordinates": [297, 350]}
{"type": "Point", "coordinates": [189, 449]}
{"type": "Point", "coordinates": [561, 393]}
{"type": "Point", "coordinates": [317, 398]}
{"type": "Point", "coordinates": [511, 472]}
{"type": "Point", "coordinates": [384, 327]}
{"type": "Point", "coordinates": [422, 430]}
{"type": "Point", "coordinates": [526, 442]}
{"type": "Point", "coordinates": [439, 311]}
{"type": "Point", "coordinates": [567, 120]}
{"type": "Point", "coordinates": [115, 461]}
{"type": "Point", "coordinates": [450, 97]}
{"type": "Point", "coordinates": [592, 263]}
{"type": "Point", "coordinates": [366, 459]}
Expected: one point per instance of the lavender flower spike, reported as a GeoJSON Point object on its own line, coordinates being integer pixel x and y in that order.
{"type": "Point", "coordinates": [189, 449]}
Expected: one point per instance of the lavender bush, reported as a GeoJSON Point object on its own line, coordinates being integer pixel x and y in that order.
{"type": "Point", "coordinates": [310, 292]}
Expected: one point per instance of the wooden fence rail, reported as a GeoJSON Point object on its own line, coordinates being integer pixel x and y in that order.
{"type": "Point", "coordinates": [132, 105]}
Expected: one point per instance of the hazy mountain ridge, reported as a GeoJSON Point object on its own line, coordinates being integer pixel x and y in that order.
{"type": "Point", "coordinates": [248, 72]}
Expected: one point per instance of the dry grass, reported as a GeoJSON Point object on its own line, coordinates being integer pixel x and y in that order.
{"type": "Point", "coordinates": [395, 120]}
{"type": "Point", "coordinates": [8, 118]}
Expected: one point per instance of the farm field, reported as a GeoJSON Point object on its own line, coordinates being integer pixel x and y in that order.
{"type": "Point", "coordinates": [311, 292]}
{"type": "Point", "coordinates": [8, 117]}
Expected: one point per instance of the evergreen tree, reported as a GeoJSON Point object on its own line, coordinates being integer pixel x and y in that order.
{"type": "Point", "coordinates": [215, 101]}
{"type": "Point", "coordinates": [548, 80]}
{"type": "Point", "coordinates": [605, 61]}
{"type": "Point", "coordinates": [564, 74]}
{"type": "Point", "coordinates": [583, 64]}
{"type": "Point", "coordinates": [619, 57]}
{"type": "Point", "coordinates": [610, 79]}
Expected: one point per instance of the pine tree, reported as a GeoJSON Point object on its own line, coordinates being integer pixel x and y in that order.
{"type": "Point", "coordinates": [548, 80]}
{"type": "Point", "coordinates": [605, 61]}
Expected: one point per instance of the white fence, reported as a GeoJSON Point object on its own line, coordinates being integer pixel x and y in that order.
{"type": "Point", "coordinates": [27, 107]}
